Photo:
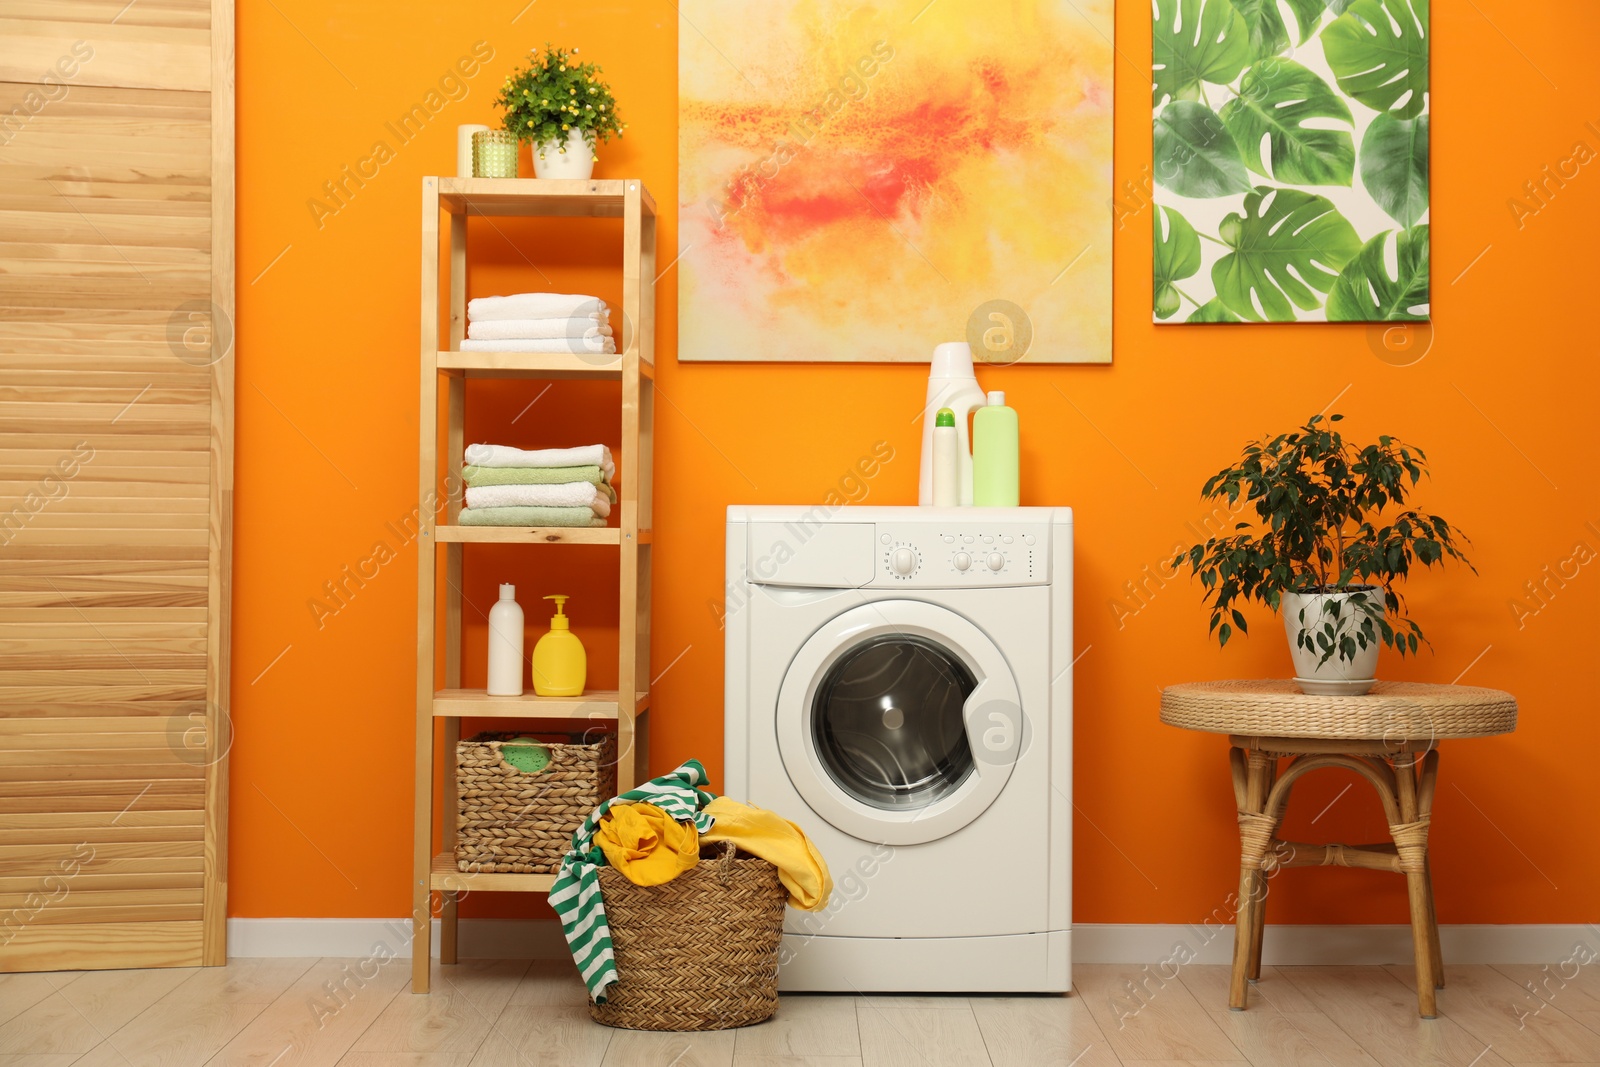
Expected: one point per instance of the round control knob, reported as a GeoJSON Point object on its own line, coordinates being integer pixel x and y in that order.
{"type": "Point", "coordinates": [996, 561]}
{"type": "Point", "coordinates": [961, 561]}
{"type": "Point", "coordinates": [904, 561]}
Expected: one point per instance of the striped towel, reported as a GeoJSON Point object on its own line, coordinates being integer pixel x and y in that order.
{"type": "Point", "coordinates": [575, 895]}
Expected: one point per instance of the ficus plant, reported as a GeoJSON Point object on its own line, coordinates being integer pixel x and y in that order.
{"type": "Point", "coordinates": [1330, 517]}
{"type": "Point", "coordinates": [556, 94]}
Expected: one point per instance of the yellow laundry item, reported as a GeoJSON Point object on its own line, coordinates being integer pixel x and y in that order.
{"type": "Point", "coordinates": [781, 843]}
{"type": "Point", "coordinates": [646, 844]}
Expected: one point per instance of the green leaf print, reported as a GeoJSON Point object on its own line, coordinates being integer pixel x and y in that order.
{"type": "Point", "coordinates": [1277, 101]}
{"type": "Point", "coordinates": [1394, 166]}
{"type": "Point", "coordinates": [1195, 155]}
{"type": "Point", "coordinates": [1367, 292]}
{"type": "Point", "coordinates": [1196, 41]}
{"type": "Point", "coordinates": [1288, 247]}
{"type": "Point", "coordinates": [1378, 49]}
{"type": "Point", "coordinates": [1214, 310]}
{"type": "Point", "coordinates": [1177, 256]}
{"type": "Point", "coordinates": [1308, 13]}
{"type": "Point", "coordinates": [1268, 35]}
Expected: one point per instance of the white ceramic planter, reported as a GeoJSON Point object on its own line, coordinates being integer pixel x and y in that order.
{"type": "Point", "coordinates": [576, 162]}
{"type": "Point", "coordinates": [1335, 676]}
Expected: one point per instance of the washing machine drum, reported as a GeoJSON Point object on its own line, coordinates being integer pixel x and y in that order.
{"type": "Point", "coordinates": [899, 722]}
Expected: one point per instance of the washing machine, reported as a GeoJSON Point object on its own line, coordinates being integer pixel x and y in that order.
{"type": "Point", "coordinates": [899, 684]}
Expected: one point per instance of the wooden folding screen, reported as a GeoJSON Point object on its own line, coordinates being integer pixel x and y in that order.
{"type": "Point", "coordinates": [116, 473]}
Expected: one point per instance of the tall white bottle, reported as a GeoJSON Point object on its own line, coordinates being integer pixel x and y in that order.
{"type": "Point", "coordinates": [505, 645]}
{"type": "Point", "coordinates": [951, 384]}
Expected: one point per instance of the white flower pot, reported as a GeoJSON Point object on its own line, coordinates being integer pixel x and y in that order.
{"type": "Point", "coordinates": [1335, 675]}
{"type": "Point", "coordinates": [549, 161]}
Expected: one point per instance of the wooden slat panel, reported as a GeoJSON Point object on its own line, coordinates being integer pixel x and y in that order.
{"type": "Point", "coordinates": [44, 865]}
{"type": "Point", "coordinates": [67, 806]}
{"type": "Point", "coordinates": [84, 821]}
{"type": "Point", "coordinates": [104, 836]}
{"type": "Point", "coordinates": [51, 855]}
{"type": "Point", "coordinates": [124, 54]}
{"type": "Point", "coordinates": [143, 913]}
{"type": "Point", "coordinates": [8, 728]}
{"type": "Point", "coordinates": [99, 883]}
{"type": "Point", "coordinates": [99, 762]}
{"type": "Point", "coordinates": [67, 777]}
{"type": "Point", "coordinates": [78, 897]}
{"type": "Point", "coordinates": [74, 946]}
{"type": "Point", "coordinates": [116, 201]}
{"type": "Point", "coordinates": [185, 14]}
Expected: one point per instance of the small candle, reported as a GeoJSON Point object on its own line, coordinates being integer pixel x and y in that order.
{"type": "Point", "coordinates": [464, 148]}
{"type": "Point", "coordinates": [494, 154]}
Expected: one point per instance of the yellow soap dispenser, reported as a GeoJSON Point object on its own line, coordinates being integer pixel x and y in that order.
{"type": "Point", "coordinates": [560, 665]}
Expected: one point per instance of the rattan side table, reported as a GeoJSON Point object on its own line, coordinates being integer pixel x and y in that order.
{"type": "Point", "coordinates": [1389, 737]}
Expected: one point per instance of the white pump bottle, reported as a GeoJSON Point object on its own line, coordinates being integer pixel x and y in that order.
{"type": "Point", "coordinates": [951, 384]}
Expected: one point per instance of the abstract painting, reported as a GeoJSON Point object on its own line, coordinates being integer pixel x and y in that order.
{"type": "Point", "coordinates": [1290, 160]}
{"type": "Point", "coordinates": [861, 180]}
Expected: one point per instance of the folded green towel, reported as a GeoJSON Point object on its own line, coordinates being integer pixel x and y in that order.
{"type": "Point", "coordinates": [532, 475]}
{"type": "Point", "coordinates": [530, 517]}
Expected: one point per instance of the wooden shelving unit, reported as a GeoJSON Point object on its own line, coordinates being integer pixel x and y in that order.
{"type": "Point", "coordinates": [441, 701]}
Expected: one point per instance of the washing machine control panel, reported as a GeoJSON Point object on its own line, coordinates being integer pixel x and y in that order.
{"type": "Point", "coordinates": [926, 555]}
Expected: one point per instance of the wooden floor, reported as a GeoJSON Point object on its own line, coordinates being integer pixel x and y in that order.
{"type": "Point", "coordinates": [286, 1013]}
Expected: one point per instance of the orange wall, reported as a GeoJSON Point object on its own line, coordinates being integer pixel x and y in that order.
{"type": "Point", "coordinates": [327, 428]}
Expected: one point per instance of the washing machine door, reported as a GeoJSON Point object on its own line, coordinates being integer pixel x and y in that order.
{"type": "Point", "coordinates": [899, 722]}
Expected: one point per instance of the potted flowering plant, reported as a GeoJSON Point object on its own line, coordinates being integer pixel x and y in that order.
{"type": "Point", "coordinates": [1323, 551]}
{"type": "Point", "coordinates": [563, 109]}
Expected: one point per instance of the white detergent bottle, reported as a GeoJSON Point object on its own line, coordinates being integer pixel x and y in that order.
{"type": "Point", "coordinates": [505, 645]}
{"type": "Point", "coordinates": [951, 384]}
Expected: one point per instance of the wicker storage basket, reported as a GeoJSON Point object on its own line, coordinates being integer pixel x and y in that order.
{"type": "Point", "coordinates": [699, 953]}
{"type": "Point", "coordinates": [511, 822]}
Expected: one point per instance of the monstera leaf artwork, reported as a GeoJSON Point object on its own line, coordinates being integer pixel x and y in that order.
{"type": "Point", "coordinates": [1290, 158]}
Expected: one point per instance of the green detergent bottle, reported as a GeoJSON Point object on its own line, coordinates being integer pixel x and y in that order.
{"type": "Point", "coordinates": [995, 455]}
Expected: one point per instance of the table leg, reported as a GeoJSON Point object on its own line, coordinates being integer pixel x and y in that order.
{"type": "Point", "coordinates": [1411, 841]}
{"type": "Point", "coordinates": [1255, 837]}
{"type": "Point", "coordinates": [1435, 956]}
{"type": "Point", "coordinates": [1430, 771]}
{"type": "Point", "coordinates": [1258, 927]}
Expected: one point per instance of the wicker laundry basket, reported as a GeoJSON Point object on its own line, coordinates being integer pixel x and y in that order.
{"type": "Point", "coordinates": [699, 953]}
{"type": "Point", "coordinates": [511, 822]}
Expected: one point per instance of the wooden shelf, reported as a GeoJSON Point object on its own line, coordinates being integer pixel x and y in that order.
{"type": "Point", "coordinates": [444, 875]}
{"type": "Point", "coordinates": [476, 703]}
{"type": "Point", "coordinates": [542, 197]}
{"type": "Point", "coordinates": [529, 535]}
{"type": "Point", "coordinates": [442, 702]}
{"type": "Point", "coordinates": [553, 365]}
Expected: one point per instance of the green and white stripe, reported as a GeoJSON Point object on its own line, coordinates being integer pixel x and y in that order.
{"type": "Point", "coordinates": [575, 895]}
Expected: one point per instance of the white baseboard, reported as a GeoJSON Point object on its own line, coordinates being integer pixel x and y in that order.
{"type": "Point", "coordinates": [1131, 943]}
{"type": "Point", "coordinates": [357, 938]}
{"type": "Point", "coordinates": [1291, 946]}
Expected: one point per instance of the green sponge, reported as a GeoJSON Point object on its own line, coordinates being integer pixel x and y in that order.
{"type": "Point", "coordinates": [526, 755]}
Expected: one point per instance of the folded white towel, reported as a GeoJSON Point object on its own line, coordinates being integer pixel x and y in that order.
{"type": "Point", "coordinates": [539, 329]}
{"type": "Point", "coordinates": [507, 456]}
{"type": "Point", "coordinates": [566, 495]}
{"type": "Point", "coordinates": [534, 306]}
{"type": "Point", "coordinates": [598, 345]}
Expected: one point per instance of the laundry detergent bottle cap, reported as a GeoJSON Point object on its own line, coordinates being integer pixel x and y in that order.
{"type": "Point", "coordinates": [952, 385]}
{"type": "Point", "coordinates": [946, 417]}
{"type": "Point", "coordinates": [560, 665]}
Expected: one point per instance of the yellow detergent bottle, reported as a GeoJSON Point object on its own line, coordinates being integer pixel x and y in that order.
{"type": "Point", "coordinates": [559, 663]}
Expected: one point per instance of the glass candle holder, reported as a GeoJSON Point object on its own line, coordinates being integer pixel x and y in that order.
{"type": "Point", "coordinates": [494, 154]}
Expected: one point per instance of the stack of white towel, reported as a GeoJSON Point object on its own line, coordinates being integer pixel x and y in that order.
{"type": "Point", "coordinates": [546, 487]}
{"type": "Point", "coordinates": [539, 322]}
